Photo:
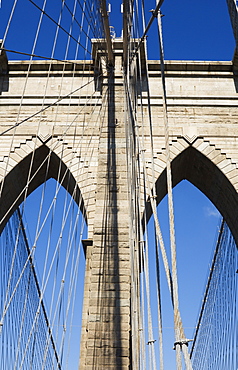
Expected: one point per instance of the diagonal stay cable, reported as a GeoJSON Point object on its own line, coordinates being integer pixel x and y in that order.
{"type": "Point", "coordinates": [10, 299]}
{"type": "Point", "coordinates": [45, 108]}
{"type": "Point", "coordinates": [23, 92]}
{"type": "Point", "coordinates": [73, 17]}
{"type": "Point", "coordinates": [58, 25]}
{"type": "Point", "coordinates": [32, 55]}
{"type": "Point", "coordinates": [89, 16]}
{"type": "Point", "coordinates": [9, 22]}
{"type": "Point", "coordinates": [38, 286]}
{"type": "Point", "coordinates": [208, 286]}
{"type": "Point", "coordinates": [42, 293]}
{"type": "Point", "coordinates": [153, 17]}
{"type": "Point", "coordinates": [40, 166]}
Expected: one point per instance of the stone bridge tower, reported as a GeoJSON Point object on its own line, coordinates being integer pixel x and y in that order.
{"type": "Point", "coordinates": [202, 102]}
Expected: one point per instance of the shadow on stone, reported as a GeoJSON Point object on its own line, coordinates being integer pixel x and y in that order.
{"type": "Point", "coordinates": [4, 77]}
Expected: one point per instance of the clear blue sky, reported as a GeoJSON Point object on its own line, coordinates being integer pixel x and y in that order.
{"type": "Point", "coordinates": [193, 30]}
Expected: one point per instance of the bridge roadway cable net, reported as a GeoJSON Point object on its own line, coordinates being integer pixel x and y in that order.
{"type": "Point", "coordinates": [17, 323]}
{"type": "Point", "coordinates": [215, 341]}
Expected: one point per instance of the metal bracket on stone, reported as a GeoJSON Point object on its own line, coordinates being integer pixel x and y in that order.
{"type": "Point", "coordinates": [3, 60]}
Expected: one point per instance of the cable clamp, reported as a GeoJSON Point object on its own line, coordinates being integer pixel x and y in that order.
{"type": "Point", "coordinates": [182, 342]}
{"type": "Point", "coordinates": [152, 11]}
{"type": "Point", "coordinates": [151, 341]}
{"type": "Point", "coordinates": [155, 13]}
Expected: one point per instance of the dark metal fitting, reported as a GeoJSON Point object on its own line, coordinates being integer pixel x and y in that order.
{"type": "Point", "coordinates": [151, 341]}
{"type": "Point", "coordinates": [182, 342]}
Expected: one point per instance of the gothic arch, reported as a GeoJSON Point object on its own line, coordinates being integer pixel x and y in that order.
{"type": "Point", "coordinates": [15, 182]}
{"type": "Point", "coordinates": [195, 167]}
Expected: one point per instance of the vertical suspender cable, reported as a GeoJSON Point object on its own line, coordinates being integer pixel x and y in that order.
{"type": "Point", "coordinates": [180, 340]}
{"type": "Point", "coordinates": [159, 237]}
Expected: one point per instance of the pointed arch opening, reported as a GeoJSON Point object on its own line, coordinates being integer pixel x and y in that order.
{"type": "Point", "coordinates": [34, 170]}
{"type": "Point", "coordinates": [197, 177]}
{"type": "Point", "coordinates": [41, 249]}
{"type": "Point", "coordinates": [193, 166]}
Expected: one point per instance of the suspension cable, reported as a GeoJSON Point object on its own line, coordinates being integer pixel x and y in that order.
{"type": "Point", "coordinates": [153, 16]}
{"type": "Point", "coordinates": [37, 286]}
{"type": "Point", "coordinates": [180, 340]}
{"type": "Point", "coordinates": [58, 25]}
{"type": "Point", "coordinates": [47, 107]}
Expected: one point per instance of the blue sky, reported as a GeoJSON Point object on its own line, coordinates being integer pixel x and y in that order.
{"type": "Point", "coordinates": [192, 30]}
